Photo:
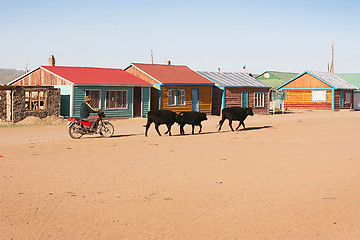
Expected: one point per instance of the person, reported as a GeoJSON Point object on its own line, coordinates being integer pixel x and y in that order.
{"type": "Point", "coordinates": [85, 111]}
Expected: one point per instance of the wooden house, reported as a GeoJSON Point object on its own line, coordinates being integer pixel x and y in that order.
{"type": "Point", "coordinates": [354, 79]}
{"type": "Point", "coordinates": [114, 91]}
{"type": "Point", "coordinates": [19, 102]}
{"type": "Point", "coordinates": [238, 90]}
{"type": "Point", "coordinates": [176, 88]}
{"type": "Point", "coordinates": [275, 79]}
{"type": "Point", "coordinates": [318, 90]}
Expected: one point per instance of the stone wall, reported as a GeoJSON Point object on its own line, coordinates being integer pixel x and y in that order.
{"type": "Point", "coordinates": [17, 101]}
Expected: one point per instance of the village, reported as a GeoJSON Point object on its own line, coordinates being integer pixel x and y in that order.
{"type": "Point", "coordinates": [59, 91]}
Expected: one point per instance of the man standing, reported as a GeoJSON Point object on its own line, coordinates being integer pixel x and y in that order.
{"type": "Point", "coordinates": [85, 111]}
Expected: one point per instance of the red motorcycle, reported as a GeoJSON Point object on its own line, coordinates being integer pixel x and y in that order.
{"type": "Point", "coordinates": [79, 127]}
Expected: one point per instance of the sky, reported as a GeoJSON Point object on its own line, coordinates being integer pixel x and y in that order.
{"type": "Point", "coordinates": [289, 36]}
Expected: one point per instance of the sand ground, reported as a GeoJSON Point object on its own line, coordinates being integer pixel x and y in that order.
{"type": "Point", "coordinates": [292, 176]}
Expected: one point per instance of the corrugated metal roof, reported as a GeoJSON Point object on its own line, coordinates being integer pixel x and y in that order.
{"type": "Point", "coordinates": [352, 78]}
{"type": "Point", "coordinates": [333, 80]}
{"type": "Point", "coordinates": [274, 83]}
{"type": "Point", "coordinates": [172, 74]}
{"type": "Point", "coordinates": [230, 79]}
{"type": "Point", "coordinates": [97, 76]}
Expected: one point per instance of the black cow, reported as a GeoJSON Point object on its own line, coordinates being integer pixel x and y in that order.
{"type": "Point", "coordinates": [237, 114]}
{"type": "Point", "coordinates": [193, 118]}
{"type": "Point", "coordinates": [161, 117]}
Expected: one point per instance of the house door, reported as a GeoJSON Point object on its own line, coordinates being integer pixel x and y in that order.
{"type": "Point", "coordinates": [195, 99]}
{"type": "Point", "coordinates": [245, 99]}
{"type": "Point", "coordinates": [341, 99]}
{"type": "Point", "coordinates": [137, 102]}
{"type": "Point", "coordinates": [357, 100]}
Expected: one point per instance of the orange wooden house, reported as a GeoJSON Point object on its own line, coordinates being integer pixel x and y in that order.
{"type": "Point", "coordinates": [319, 91]}
{"type": "Point", "coordinates": [176, 88]}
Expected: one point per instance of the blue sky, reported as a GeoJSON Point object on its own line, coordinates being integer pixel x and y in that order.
{"type": "Point", "coordinates": [291, 36]}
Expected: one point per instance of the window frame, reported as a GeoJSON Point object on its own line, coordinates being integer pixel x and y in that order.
{"type": "Point", "coordinates": [345, 99]}
{"type": "Point", "coordinates": [176, 96]}
{"type": "Point", "coordinates": [317, 100]}
{"type": "Point", "coordinates": [30, 100]}
{"type": "Point", "coordinates": [262, 99]}
{"type": "Point", "coordinates": [93, 90]}
{"type": "Point", "coordinates": [115, 108]}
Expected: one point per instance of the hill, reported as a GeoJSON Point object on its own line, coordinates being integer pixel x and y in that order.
{"type": "Point", "coordinates": [7, 75]}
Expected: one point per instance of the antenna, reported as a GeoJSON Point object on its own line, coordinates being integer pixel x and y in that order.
{"type": "Point", "coordinates": [152, 57]}
{"type": "Point", "coordinates": [332, 58]}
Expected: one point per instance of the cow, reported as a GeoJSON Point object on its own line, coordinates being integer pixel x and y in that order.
{"type": "Point", "coordinates": [193, 118]}
{"type": "Point", "coordinates": [237, 114]}
{"type": "Point", "coordinates": [161, 117]}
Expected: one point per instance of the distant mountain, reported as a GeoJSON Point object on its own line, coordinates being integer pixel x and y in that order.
{"type": "Point", "coordinates": [7, 75]}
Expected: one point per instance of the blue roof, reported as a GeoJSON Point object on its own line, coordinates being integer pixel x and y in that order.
{"type": "Point", "coordinates": [231, 79]}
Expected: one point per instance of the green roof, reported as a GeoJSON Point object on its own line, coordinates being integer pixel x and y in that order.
{"type": "Point", "coordinates": [352, 78]}
{"type": "Point", "coordinates": [276, 79]}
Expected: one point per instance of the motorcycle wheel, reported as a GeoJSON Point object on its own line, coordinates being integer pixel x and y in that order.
{"type": "Point", "coordinates": [75, 131]}
{"type": "Point", "coordinates": [107, 130]}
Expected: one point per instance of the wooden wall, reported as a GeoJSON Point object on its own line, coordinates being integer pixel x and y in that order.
{"type": "Point", "coordinates": [302, 99]}
{"type": "Point", "coordinates": [306, 81]}
{"type": "Point", "coordinates": [233, 98]}
{"type": "Point", "coordinates": [204, 98]}
{"type": "Point", "coordinates": [41, 77]}
{"type": "Point", "coordinates": [134, 71]}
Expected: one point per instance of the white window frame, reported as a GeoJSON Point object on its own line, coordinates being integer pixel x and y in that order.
{"type": "Point", "coordinates": [93, 90]}
{"type": "Point", "coordinates": [114, 108]}
{"type": "Point", "coordinates": [347, 98]}
{"type": "Point", "coordinates": [175, 95]}
{"type": "Point", "coordinates": [172, 97]}
{"type": "Point", "coordinates": [181, 94]}
{"type": "Point", "coordinates": [259, 99]}
{"type": "Point", "coordinates": [318, 96]}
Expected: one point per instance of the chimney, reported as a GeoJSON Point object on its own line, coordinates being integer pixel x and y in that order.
{"type": "Point", "coordinates": [52, 61]}
{"type": "Point", "coordinates": [219, 70]}
{"type": "Point", "coordinates": [168, 62]}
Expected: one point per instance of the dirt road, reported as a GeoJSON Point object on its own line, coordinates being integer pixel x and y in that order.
{"type": "Point", "coordinates": [290, 176]}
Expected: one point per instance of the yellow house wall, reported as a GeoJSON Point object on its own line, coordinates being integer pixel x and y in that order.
{"type": "Point", "coordinates": [204, 98]}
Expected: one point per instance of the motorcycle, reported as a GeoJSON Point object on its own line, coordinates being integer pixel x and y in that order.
{"type": "Point", "coordinates": [79, 127]}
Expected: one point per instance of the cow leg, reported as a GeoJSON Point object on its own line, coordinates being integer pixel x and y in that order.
{"type": "Point", "coordinates": [147, 128]}
{"type": "Point", "coordinates": [157, 128]}
{"type": "Point", "coordinates": [230, 124]}
{"type": "Point", "coordinates": [200, 128]}
{"type": "Point", "coordinates": [238, 126]}
{"type": "Point", "coordinates": [169, 128]}
{"type": "Point", "coordinates": [193, 128]}
{"type": "Point", "coordinates": [243, 123]}
{"type": "Point", "coordinates": [182, 132]}
{"type": "Point", "coordinates": [221, 123]}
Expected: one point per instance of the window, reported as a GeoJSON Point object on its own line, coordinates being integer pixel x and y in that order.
{"type": "Point", "coordinates": [348, 97]}
{"type": "Point", "coordinates": [116, 99]}
{"type": "Point", "coordinates": [176, 97]}
{"type": "Point", "coordinates": [95, 98]}
{"type": "Point", "coordinates": [171, 97]}
{"type": "Point", "coordinates": [181, 97]}
{"type": "Point", "coordinates": [259, 99]}
{"type": "Point", "coordinates": [319, 96]}
{"type": "Point", "coordinates": [34, 100]}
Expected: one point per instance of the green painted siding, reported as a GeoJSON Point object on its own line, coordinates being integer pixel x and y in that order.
{"type": "Point", "coordinates": [146, 101]}
{"type": "Point", "coordinates": [79, 94]}
{"type": "Point", "coordinates": [65, 99]}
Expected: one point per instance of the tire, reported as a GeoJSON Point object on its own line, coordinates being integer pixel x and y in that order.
{"type": "Point", "coordinates": [107, 130]}
{"type": "Point", "coordinates": [75, 131]}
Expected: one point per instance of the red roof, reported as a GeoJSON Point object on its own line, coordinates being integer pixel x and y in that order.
{"type": "Point", "coordinates": [172, 74]}
{"type": "Point", "coordinates": [98, 76]}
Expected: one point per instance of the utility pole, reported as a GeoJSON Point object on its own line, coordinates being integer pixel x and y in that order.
{"type": "Point", "coordinates": [152, 57]}
{"type": "Point", "coordinates": [332, 58]}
